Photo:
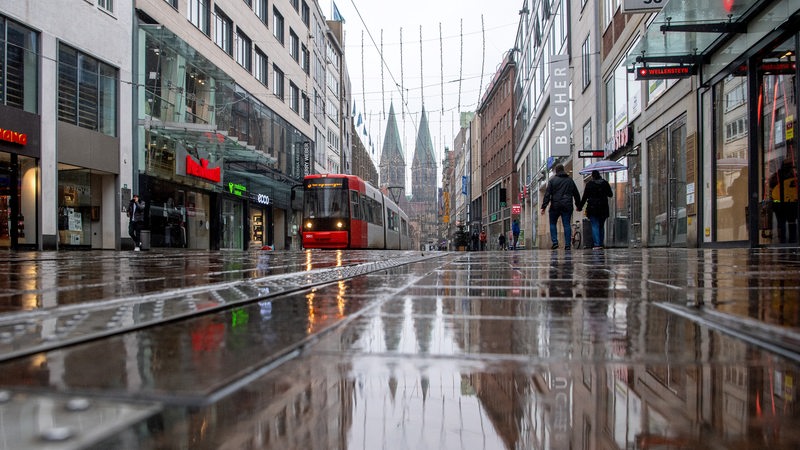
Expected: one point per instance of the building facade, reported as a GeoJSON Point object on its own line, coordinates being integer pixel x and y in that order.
{"type": "Point", "coordinates": [499, 182]}
{"type": "Point", "coordinates": [65, 110]}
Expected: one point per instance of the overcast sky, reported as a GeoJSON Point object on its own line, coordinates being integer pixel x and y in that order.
{"type": "Point", "coordinates": [462, 45]}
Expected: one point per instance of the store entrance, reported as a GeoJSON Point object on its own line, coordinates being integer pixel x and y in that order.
{"type": "Point", "coordinates": [667, 189]}
{"type": "Point", "coordinates": [777, 106]}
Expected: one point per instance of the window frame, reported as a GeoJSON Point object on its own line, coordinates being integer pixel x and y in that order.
{"type": "Point", "coordinates": [244, 50]}
{"type": "Point", "coordinates": [278, 26]}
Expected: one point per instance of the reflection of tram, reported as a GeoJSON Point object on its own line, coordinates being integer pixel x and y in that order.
{"type": "Point", "coordinates": [344, 211]}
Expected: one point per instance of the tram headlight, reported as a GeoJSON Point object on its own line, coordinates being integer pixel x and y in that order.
{"type": "Point", "coordinates": [339, 225]}
{"type": "Point", "coordinates": [308, 225]}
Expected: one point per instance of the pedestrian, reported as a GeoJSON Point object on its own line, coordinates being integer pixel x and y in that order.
{"type": "Point", "coordinates": [136, 215]}
{"type": "Point", "coordinates": [595, 197]}
{"type": "Point", "coordinates": [560, 193]}
{"type": "Point", "coordinates": [515, 233]}
{"type": "Point", "coordinates": [475, 240]}
{"type": "Point", "coordinates": [501, 241]}
{"type": "Point", "coordinates": [784, 200]}
{"type": "Point", "coordinates": [482, 238]}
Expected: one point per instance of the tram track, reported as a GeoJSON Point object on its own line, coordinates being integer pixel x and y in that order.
{"type": "Point", "coordinates": [26, 333]}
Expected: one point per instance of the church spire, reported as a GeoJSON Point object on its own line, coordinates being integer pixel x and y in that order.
{"type": "Point", "coordinates": [392, 164]}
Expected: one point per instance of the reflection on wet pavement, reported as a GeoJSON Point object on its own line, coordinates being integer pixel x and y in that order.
{"type": "Point", "coordinates": [641, 348]}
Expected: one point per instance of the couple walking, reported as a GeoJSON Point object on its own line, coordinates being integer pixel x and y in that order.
{"type": "Point", "coordinates": [561, 192]}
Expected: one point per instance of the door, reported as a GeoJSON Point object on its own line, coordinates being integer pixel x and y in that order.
{"type": "Point", "coordinates": [667, 186]}
{"type": "Point", "coordinates": [232, 224]}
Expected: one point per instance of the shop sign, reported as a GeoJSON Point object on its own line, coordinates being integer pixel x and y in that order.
{"type": "Point", "coordinates": [202, 170]}
{"type": "Point", "coordinates": [622, 138]}
{"type": "Point", "coordinates": [15, 137]}
{"type": "Point", "coordinates": [664, 73]}
{"type": "Point", "coordinates": [262, 199]}
{"type": "Point", "coordinates": [559, 98]}
{"type": "Point", "coordinates": [306, 158]}
{"type": "Point", "coordinates": [237, 189]}
{"type": "Point", "coordinates": [642, 6]}
{"type": "Point", "coordinates": [516, 208]}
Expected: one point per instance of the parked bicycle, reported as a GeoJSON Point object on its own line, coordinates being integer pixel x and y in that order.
{"type": "Point", "coordinates": [577, 236]}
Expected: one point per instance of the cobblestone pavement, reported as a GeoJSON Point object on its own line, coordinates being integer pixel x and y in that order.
{"type": "Point", "coordinates": [622, 348]}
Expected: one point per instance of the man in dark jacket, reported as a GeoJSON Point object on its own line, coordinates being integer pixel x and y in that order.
{"type": "Point", "coordinates": [136, 215]}
{"type": "Point", "coordinates": [560, 193]}
{"type": "Point", "coordinates": [595, 197]}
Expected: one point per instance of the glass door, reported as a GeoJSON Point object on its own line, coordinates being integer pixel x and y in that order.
{"type": "Point", "coordinates": [778, 178]}
{"type": "Point", "coordinates": [667, 186]}
{"type": "Point", "coordinates": [232, 225]}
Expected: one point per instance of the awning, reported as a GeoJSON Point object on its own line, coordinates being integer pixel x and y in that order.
{"type": "Point", "coordinates": [688, 31]}
{"type": "Point", "coordinates": [195, 136]}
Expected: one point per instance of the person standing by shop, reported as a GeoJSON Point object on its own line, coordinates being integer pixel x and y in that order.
{"type": "Point", "coordinates": [595, 198]}
{"type": "Point", "coordinates": [482, 238]}
{"type": "Point", "coordinates": [560, 193]}
{"type": "Point", "coordinates": [136, 215]}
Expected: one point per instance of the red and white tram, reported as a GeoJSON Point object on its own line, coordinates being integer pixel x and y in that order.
{"type": "Point", "coordinates": [344, 211]}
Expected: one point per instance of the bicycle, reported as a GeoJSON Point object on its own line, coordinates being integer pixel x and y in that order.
{"type": "Point", "coordinates": [577, 236]}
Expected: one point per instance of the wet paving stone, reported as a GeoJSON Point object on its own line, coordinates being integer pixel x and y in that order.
{"type": "Point", "coordinates": [626, 348]}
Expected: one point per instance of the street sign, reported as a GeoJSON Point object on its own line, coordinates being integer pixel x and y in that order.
{"type": "Point", "coordinates": [642, 6]}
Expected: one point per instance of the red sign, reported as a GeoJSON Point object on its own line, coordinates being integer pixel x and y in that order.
{"type": "Point", "coordinates": [202, 170]}
{"type": "Point", "coordinates": [15, 137]}
{"type": "Point", "coordinates": [663, 73]}
{"type": "Point", "coordinates": [516, 208]}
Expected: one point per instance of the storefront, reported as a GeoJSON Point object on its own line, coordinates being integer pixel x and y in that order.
{"type": "Point", "coordinates": [216, 164]}
{"type": "Point", "coordinates": [19, 183]}
{"type": "Point", "coordinates": [736, 177]}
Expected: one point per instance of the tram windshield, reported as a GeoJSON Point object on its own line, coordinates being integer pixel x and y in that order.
{"type": "Point", "coordinates": [323, 198]}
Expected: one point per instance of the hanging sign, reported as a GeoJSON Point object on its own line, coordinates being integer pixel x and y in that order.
{"type": "Point", "coordinates": [664, 72]}
{"type": "Point", "coordinates": [642, 6]}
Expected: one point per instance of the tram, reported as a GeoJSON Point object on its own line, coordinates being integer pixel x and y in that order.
{"type": "Point", "coordinates": [344, 211]}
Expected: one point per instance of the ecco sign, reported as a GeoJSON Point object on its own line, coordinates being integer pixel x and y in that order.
{"type": "Point", "coordinates": [262, 199]}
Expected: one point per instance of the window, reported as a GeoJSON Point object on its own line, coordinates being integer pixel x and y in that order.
{"type": "Point", "coordinates": [587, 135]}
{"type": "Point", "coordinates": [198, 14]}
{"type": "Point", "coordinates": [306, 105]}
{"type": "Point", "coordinates": [306, 60]}
{"type": "Point", "coordinates": [223, 31]}
{"type": "Point", "coordinates": [108, 5]}
{"type": "Point", "coordinates": [19, 67]}
{"type": "Point", "coordinates": [586, 53]}
{"type": "Point", "coordinates": [294, 45]}
{"type": "Point", "coordinates": [295, 4]}
{"type": "Point", "coordinates": [294, 99]}
{"type": "Point", "coordinates": [277, 25]}
{"type": "Point", "coordinates": [244, 50]}
{"type": "Point", "coordinates": [306, 14]}
{"type": "Point", "coordinates": [87, 91]}
{"type": "Point", "coordinates": [260, 67]}
{"type": "Point", "coordinates": [277, 84]}
{"type": "Point", "coordinates": [173, 3]}
{"type": "Point", "coordinates": [260, 8]}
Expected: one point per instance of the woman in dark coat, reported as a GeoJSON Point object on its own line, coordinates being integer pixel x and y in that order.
{"type": "Point", "coordinates": [595, 196]}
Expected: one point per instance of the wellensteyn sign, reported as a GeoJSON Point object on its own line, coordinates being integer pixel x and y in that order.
{"type": "Point", "coordinates": [560, 126]}
{"type": "Point", "coordinates": [642, 5]}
